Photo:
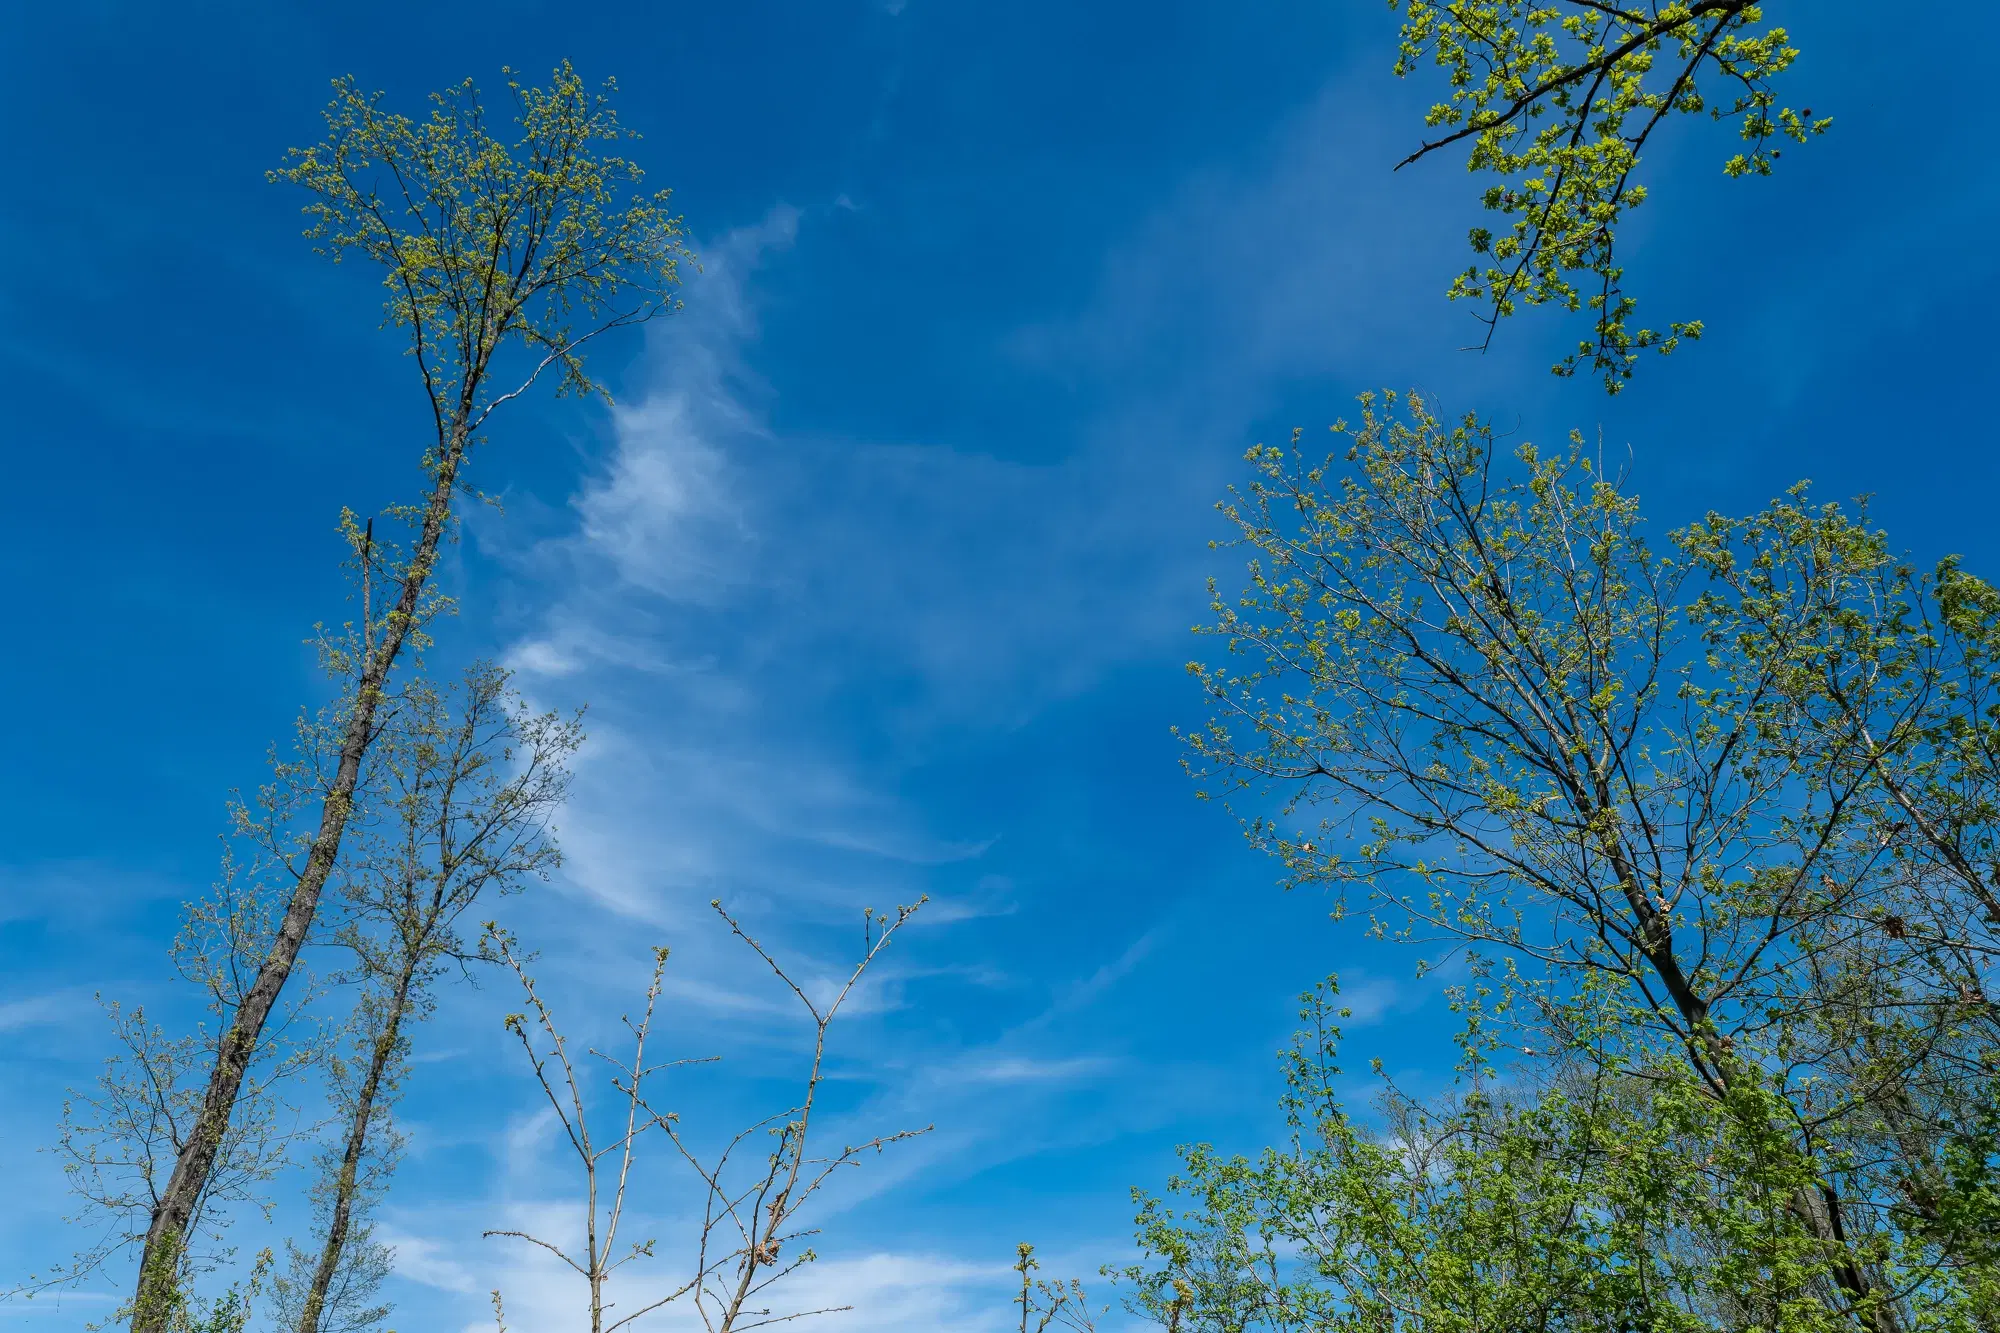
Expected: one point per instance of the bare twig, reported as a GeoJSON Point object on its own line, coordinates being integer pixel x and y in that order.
{"type": "Point", "coordinates": [749, 1227]}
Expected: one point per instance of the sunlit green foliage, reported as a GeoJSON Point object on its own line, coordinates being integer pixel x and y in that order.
{"type": "Point", "coordinates": [1559, 99]}
{"type": "Point", "coordinates": [546, 239]}
{"type": "Point", "coordinates": [1595, 1198]}
{"type": "Point", "coordinates": [1719, 816]}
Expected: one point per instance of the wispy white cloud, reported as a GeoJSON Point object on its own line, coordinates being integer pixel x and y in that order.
{"type": "Point", "coordinates": [1079, 994]}
{"type": "Point", "coordinates": [37, 1010]}
{"type": "Point", "coordinates": [63, 1307]}
{"type": "Point", "coordinates": [662, 517]}
{"type": "Point", "coordinates": [992, 895]}
{"type": "Point", "coordinates": [731, 597]}
{"type": "Point", "coordinates": [1299, 257]}
{"type": "Point", "coordinates": [885, 1291]}
{"type": "Point", "coordinates": [1025, 1069]}
{"type": "Point", "coordinates": [79, 892]}
{"type": "Point", "coordinates": [523, 1141]}
{"type": "Point", "coordinates": [426, 1261]}
{"type": "Point", "coordinates": [891, 1291]}
{"type": "Point", "coordinates": [1368, 1000]}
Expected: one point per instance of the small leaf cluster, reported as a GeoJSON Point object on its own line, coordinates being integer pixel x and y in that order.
{"type": "Point", "coordinates": [1559, 100]}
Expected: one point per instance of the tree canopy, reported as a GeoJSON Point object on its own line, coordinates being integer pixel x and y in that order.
{"type": "Point", "coordinates": [1712, 827]}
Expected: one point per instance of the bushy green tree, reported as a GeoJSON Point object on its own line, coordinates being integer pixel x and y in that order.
{"type": "Point", "coordinates": [1679, 799]}
{"type": "Point", "coordinates": [1593, 1198]}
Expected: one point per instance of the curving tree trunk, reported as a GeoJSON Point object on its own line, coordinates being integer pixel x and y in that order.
{"type": "Point", "coordinates": [166, 1235]}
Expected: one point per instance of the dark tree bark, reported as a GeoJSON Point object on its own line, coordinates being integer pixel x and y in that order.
{"type": "Point", "coordinates": [348, 1184]}
{"type": "Point", "coordinates": [167, 1233]}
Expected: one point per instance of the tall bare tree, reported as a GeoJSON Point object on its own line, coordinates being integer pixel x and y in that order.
{"type": "Point", "coordinates": [502, 259]}
{"type": "Point", "coordinates": [457, 807]}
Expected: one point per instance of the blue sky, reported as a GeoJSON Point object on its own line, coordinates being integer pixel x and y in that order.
{"type": "Point", "coordinates": [878, 580]}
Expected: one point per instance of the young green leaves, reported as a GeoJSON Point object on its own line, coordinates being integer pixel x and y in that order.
{"type": "Point", "coordinates": [545, 241]}
{"type": "Point", "coordinates": [1559, 101]}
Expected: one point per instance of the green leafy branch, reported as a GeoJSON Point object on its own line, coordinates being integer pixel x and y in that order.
{"type": "Point", "coordinates": [1559, 101]}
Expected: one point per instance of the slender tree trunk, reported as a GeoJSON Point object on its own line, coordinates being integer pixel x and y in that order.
{"type": "Point", "coordinates": [348, 1184]}
{"type": "Point", "coordinates": [166, 1235]}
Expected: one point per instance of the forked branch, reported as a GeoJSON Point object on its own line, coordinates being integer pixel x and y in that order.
{"type": "Point", "coordinates": [749, 1225]}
